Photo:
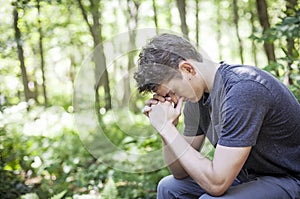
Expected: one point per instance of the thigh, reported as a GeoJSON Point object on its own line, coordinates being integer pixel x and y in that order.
{"type": "Point", "coordinates": [187, 188]}
{"type": "Point", "coordinates": [262, 188]}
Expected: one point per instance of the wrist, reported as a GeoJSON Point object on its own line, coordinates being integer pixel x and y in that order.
{"type": "Point", "coordinates": [168, 130]}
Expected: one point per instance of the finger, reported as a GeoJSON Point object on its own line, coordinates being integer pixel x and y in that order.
{"type": "Point", "coordinates": [151, 101]}
{"type": "Point", "coordinates": [159, 98]}
{"type": "Point", "coordinates": [167, 103]}
{"type": "Point", "coordinates": [174, 98]}
{"type": "Point", "coordinates": [168, 99]}
{"type": "Point", "coordinates": [179, 105]}
{"type": "Point", "coordinates": [146, 110]}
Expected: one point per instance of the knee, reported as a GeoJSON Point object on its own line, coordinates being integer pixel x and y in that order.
{"type": "Point", "coordinates": [166, 183]}
{"type": "Point", "coordinates": [166, 188]}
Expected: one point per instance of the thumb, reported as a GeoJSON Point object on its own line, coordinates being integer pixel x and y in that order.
{"type": "Point", "coordinates": [179, 105]}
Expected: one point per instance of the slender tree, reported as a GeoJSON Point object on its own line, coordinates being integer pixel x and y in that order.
{"type": "Point", "coordinates": [236, 23]}
{"type": "Point", "coordinates": [263, 17]}
{"type": "Point", "coordinates": [197, 22]}
{"type": "Point", "coordinates": [18, 38]}
{"type": "Point", "coordinates": [155, 14]}
{"type": "Point", "coordinates": [253, 45]}
{"type": "Point", "coordinates": [132, 21]}
{"type": "Point", "coordinates": [181, 5]}
{"type": "Point", "coordinates": [41, 49]}
{"type": "Point", "coordinates": [290, 5]}
{"type": "Point", "coordinates": [99, 58]}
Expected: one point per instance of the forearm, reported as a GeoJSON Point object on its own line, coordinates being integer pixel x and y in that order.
{"type": "Point", "coordinates": [215, 176]}
{"type": "Point", "coordinates": [193, 163]}
{"type": "Point", "coordinates": [172, 162]}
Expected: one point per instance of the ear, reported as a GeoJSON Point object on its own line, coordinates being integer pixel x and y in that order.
{"type": "Point", "coordinates": [187, 67]}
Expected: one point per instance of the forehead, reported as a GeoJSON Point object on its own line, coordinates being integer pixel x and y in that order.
{"type": "Point", "coordinates": [162, 90]}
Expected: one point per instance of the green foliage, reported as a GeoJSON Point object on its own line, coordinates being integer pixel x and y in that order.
{"type": "Point", "coordinates": [51, 161]}
{"type": "Point", "coordinates": [59, 196]}
{"type": "Point", "coordinates": [41, 153]}
{"type": "Point", "coordinates": [35, 196]}
{"type": "Point", "coordinates": [12, 185]}
{"type": "Point", "coordinates": [110, 189]}
{"type": "Point", "coordinates": [30, 196]}
{"type": "Point", "coordinates": [287, 34]}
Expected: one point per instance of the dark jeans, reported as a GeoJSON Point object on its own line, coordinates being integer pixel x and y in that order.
{"type": "Point", "coordinates": [253, 187]}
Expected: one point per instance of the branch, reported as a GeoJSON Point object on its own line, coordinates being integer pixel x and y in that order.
{"type": "Point", "coordinates": [85, 15]}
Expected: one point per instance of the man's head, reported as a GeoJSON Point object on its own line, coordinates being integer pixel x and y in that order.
{"type": "Point", "coordinates": [159, 61]}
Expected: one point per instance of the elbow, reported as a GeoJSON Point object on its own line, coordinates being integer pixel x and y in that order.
{"type": "Point", "coordinates": [216, 191]}
{"type": "Point", "coordinates": [180, 176]}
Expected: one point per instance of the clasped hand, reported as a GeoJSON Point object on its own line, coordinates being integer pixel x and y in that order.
{"type": "Point", "coordinates": [163, 110]}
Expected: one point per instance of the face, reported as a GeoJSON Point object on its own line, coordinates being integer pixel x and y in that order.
{"type": "Point", "coordinates": [186, 88]}
{"type": "Point", "coordinates": [191, 86]}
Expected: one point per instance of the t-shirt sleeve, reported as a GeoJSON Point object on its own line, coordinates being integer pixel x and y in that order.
{"type": "Point", "coordinates": [242, 113]}
{"type": "Point", "coordinates": [196, 119]}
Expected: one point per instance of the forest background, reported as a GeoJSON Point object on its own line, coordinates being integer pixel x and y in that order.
{"type": "Point", "coordinates": [45, 43]}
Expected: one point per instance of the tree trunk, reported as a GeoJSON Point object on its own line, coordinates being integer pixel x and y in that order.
{"type": "Point", "coordinates": [132, 20]}
{"type": "Point", "coordinates": [101, 74]}
{"type": "Point", "coordinates": [181, 4]}
{"type": "Point", "coordinates": [21, 53]}
{"type": "Point", "coordinates": [290, 5]}
{"type": "Point", "coordinates": [236, 23]}
{"type": "Point", "coordinates": [253, 46]}
{"type": "Point", "coordinates": [197, 22]}
{"type": "Point", "coordinates": [41, 48]}
{"type": "Point", "coordinates": [99, 57]}
{"type": "Point", "coordinates": [155, 15]}
{"type": "Point", "coordinates": [263, 17]}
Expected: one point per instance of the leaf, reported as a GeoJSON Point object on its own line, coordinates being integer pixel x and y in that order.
{"type": "Point", "coordinates": [290, 20]}
{"type": "Point", "coordinates": [30, 196]}
{"type": "Point", "coordinates": [60, 195]}
{"type": "Point", "coordinates": [110, 190]}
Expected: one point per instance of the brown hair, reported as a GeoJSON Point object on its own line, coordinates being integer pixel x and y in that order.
{"type": "Point", "coordinates": [159, 60]}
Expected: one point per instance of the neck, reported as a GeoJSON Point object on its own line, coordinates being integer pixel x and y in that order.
{"type": "Point", "coordinates": [207, 70]}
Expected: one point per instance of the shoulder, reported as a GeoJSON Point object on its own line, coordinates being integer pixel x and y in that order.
{"type": "Point", "coordinates": [253, 77]}
{"type": "Point", "coordinates": [250, 92]}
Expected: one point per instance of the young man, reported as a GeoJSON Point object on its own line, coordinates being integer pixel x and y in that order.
{"type": "Point", "coordinates": [251, 118]}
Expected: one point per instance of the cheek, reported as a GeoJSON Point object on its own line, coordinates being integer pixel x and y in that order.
{"type": "Point", "coordinates": [188, 91]}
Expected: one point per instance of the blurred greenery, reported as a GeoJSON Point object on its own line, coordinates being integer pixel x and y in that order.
{"type": "Point", "coordinates": [41, 154]}
{"type": "Point", "coordinates": [39, 157]}
{"type": "Point", "coordinates": [48, 160]}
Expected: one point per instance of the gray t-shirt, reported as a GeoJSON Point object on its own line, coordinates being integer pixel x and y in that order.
{"type": "Point", "coordinates": [249, 107]}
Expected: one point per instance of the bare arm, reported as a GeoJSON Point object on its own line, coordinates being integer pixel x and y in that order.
{"type": "Point", "coordinates": [214, 176]}
{"type": "Point", "coordinates": [172, 161]}
{"type": "Point", "coordinates": [195, 141]}
{"type": "Point", "coordinates": [170, 158]}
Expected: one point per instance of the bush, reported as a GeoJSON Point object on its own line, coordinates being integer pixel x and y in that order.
{"type": "Point", "coordinates": [41, 153]}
